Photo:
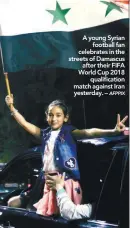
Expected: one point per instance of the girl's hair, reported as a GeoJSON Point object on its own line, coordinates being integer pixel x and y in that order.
{"type": "Point", "coordinates": [61, 104]}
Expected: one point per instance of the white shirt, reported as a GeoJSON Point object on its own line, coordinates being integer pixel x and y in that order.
{"type": "Point", "coordinates": [48, 158]}
{"type": "Point", "coordinates": [69, 210]}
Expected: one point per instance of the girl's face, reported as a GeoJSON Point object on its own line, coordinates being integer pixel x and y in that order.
{"type": "Point", "coordinates": [56, 117]}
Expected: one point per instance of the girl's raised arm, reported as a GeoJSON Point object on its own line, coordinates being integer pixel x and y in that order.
{"type": "Point", "coordinates": [96, 132]}
{"type": "Point", "coordinates": [32, 129]}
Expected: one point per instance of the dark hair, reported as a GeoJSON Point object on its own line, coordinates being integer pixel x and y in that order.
{"type": "Point", "coordinates": [61, 104]}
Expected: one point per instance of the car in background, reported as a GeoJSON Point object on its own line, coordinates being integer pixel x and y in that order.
{"type": "Point", "coordinates": [2, 165]}
{"type": "Point", "coordinates": [104, 178]}
{"type": "Point", "coordinates": [20, 173]}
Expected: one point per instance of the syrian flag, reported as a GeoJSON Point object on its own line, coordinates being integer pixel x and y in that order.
{"type": "Point", "coordinates": [50, 33]}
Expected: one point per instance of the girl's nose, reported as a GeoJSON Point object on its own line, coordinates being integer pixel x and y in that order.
{"type": "Point", "coordinates": [54, 118]}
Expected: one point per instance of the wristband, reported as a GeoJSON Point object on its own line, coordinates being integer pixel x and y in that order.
{"type": "Point", "coordinates": [13, 112]}
{"type": "Point", "coordinates": [60, 191]}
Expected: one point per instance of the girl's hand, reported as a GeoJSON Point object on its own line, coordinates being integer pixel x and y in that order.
{"type": "Point", "coordinates": [9, 100]}
{"type": "Point", "coordinates": [120, 126]}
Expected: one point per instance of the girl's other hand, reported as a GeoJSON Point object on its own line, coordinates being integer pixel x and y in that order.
{"type": "Point", "coordinates": [120, 125]}
{"type": "Point", "coordinates": [9, 100]}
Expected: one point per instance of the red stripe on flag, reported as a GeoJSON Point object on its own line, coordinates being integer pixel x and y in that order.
{"type": "Point", "coordinates": [123, 1]}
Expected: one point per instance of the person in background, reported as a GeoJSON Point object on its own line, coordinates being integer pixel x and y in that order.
{"type": "Point", "coordinates": [68, 210]}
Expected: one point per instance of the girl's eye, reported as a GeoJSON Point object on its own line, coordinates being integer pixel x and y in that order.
{"type": "Point", "coordinates": [58, 115]}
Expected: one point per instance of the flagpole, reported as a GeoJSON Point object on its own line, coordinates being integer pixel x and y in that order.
{"type": "Point", "coordinates": [7, 83]}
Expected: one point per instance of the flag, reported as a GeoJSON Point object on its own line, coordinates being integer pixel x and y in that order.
{"type": "Point", "coordinates": [51, 33]}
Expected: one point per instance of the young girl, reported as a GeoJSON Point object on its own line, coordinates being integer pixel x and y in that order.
{"type": "Point", "coordinates": [59, 150]}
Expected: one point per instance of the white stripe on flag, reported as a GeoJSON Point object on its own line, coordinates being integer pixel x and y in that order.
{"type": "Point", "coordinates": [30, 16]}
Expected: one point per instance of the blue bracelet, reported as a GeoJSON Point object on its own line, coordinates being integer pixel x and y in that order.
{"type": "Point", "coordinates": [60, 191]}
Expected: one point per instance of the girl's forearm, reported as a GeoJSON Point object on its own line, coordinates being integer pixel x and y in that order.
{"type": "Point", "coordinates": [32, 129]}
{"type": "Point", "coordinates": [17, 116]}
{"type": "Point", "coordinates": [96, 132]}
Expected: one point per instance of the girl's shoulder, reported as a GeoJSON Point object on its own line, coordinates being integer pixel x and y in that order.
{"type": "Point", "coordinates": [68, 127]}
{"type": "Point", "coordinates": [44, 131]}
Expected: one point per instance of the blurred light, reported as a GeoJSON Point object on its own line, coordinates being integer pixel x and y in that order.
{"type": "Point", "coordinates": [36, 170]}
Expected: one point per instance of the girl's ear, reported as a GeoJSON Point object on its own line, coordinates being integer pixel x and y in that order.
{"type": "Point", "coordinates": [66, 118]}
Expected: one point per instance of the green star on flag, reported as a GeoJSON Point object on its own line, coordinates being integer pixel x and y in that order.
{"type": "Point", "coordinates": [59, 14]}
{"type": "Point", "coordinates": [111, 6]}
